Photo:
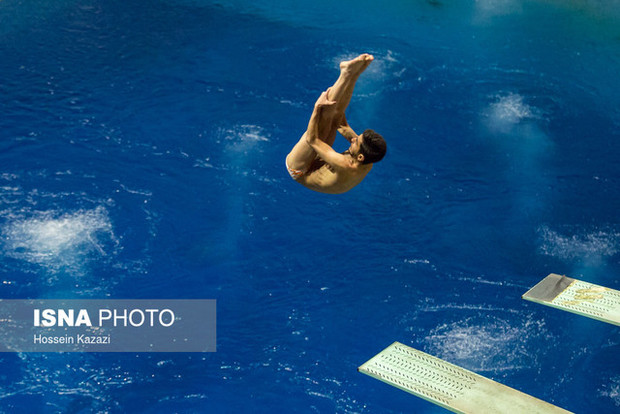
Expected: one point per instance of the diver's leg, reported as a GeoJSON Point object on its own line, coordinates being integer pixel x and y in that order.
{"type": "Point", "coordinates": [350, 71]}
{"type": "Point", "coordinates": [302, 155]}
{"type": "Point", "coordinates": [341, 92]}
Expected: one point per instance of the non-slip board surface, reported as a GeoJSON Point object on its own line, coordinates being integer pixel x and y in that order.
{"type": "Point", "coordinates": [448, 385]}
{"type": "Point", "coordinates": [579, 297]}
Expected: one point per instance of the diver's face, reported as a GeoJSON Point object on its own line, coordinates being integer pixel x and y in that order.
{"type": "Point", "coordinates": [356, 144]}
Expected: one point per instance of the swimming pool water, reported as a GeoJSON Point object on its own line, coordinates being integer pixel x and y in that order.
{"type": "Point", "coordinates": [142, 156]}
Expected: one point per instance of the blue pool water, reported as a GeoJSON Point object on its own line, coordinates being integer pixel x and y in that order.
{"type": "Point", "coordinates": [142, 154]}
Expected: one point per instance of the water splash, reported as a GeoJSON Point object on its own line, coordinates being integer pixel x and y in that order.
{"type": "Point", "coordinates": [488, 344]}
{"type": "Point", "coordinates": [507, 112]}
{"type": "Point", "coordinates": [243, 138]}
{"type": "Point", "coordinates": [488, 9]}
{"type": "Point", "coordinates": [60, 242]}
{"type": "Point", "coordinates": [589, 248]}
{"type": "Point", "coordinates": [612, 391]}
{"type": "Point", "coordinates": [72, 382]}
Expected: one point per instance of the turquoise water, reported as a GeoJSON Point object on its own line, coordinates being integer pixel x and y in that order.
{"type": "Point", "coordinates": [142, 156]}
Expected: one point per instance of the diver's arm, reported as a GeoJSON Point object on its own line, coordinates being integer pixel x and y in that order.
{"type": "Point", "coordinates": [312, 133]}
{"type": "Point", "coordinates": [324, 151]}
{"type": "Point", "coordinates": [345, 130]}
{"type": "Point", "coordinates": [331, 157]}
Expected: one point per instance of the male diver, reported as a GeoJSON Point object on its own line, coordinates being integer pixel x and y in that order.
{"type": "Point", "coordinates": [313, 162]}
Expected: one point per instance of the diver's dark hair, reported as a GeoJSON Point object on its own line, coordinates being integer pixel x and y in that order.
{"type": "Point", "coordinates": [373, 147]}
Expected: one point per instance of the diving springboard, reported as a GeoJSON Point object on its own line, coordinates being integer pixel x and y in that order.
{"type": "Point", "coordinates": [572, 295]}
{"type": "Point", "coordinates": [448, 385]}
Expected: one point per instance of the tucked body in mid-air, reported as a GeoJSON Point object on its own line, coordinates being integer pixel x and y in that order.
{"type": "Point", "coordinates": [313, 162]}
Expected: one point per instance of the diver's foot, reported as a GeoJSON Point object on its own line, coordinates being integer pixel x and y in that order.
{"type": "Point", "coordinates": [357, 65]}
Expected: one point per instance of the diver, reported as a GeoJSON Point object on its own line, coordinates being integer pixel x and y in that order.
{"type": "Point", "coordinates": [313, 162]}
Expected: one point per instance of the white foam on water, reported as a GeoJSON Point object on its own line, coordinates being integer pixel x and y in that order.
{"type": "Point", "coordinates": [487, 344]}
{"type": "Point", "coordinates": [514, 127]}
{"type": "Point", "coordinates": [511, 109]}
{"type": "Point", "coordinates": [76, 381]}
{"type": "Point", "coordinates": [243, 138]}
{"type": "Point", "coordinates": [612, 390]}
{"type": "Point", "coordinates": [590, 248]}
{"type": "Point", "coordinates": [242, 151]}
{"type": "Point", "coordinates": [488, 9]}
{"type": "Point", "coordinates": [507, 112]}
{"type": "Point", "coordinates": [60, 241]}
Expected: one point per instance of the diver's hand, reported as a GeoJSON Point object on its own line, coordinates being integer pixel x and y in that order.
{"type": "Point", "coordinates": [323, 101]}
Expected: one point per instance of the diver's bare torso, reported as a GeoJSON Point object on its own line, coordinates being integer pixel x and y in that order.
{"type": "Point", "coordinates": [324, 178]}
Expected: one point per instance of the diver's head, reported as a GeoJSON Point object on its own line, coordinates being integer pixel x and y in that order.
{"type": "Point", "coordinates": [372, 147]}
